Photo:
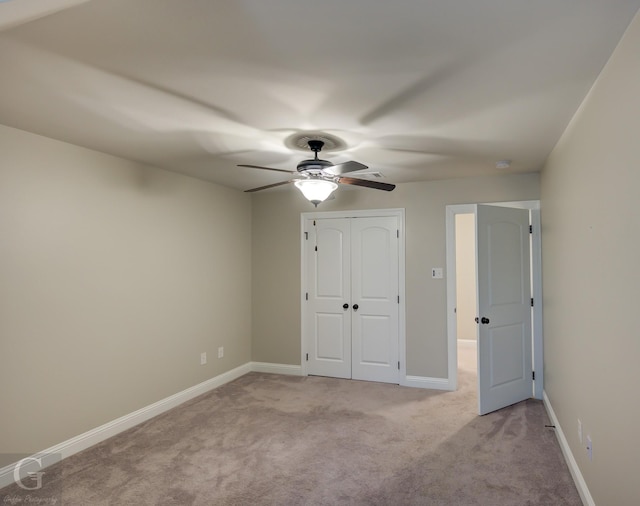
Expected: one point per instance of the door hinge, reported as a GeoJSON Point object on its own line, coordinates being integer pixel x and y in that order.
{"type": "Point", "coordinates": [533, 375]}
{"type": "Point", "coordinates": [531, 229]}
{"type": "Point", "coordinates": [316, 248]}
{"type": "Point", "coordinates": [307, 357]}
{"type": "Point", "coordinates": [306, 236]}
{"type": "Point", "coordinates": [398, 365]}
{"type": "Point", "coordinates": [314, 223]}
{"type": "Point", "coordinates": [398, 299]}
{"type": "Point", "coordinates": [306, 296]}
{"type": "Point", "coordinates": [531, 301]}
{"type": "Point", "coordinates": [398, 234]}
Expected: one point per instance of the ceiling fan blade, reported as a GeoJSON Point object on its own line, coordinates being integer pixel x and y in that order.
{"type": "Point", "coordinates": [269, 186]}
{"type": "Point", "coordinates": [267, 168]}
{"type": "Point", "coordinates": [369, 184]}
{"type": "Point", "coordinates": [343, 168]}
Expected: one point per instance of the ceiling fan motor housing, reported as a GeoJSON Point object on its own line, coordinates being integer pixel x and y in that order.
{"type": "Point", "coordinates": [313, 165]}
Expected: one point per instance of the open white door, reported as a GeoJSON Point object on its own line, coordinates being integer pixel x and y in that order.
{"type": "Point", "coordinates": [504, 307]}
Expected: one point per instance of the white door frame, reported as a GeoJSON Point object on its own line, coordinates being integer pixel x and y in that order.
{"type": "Point", "coordinates": [536, 284]}
{"type": "Point", "coordinates": [373, 213]}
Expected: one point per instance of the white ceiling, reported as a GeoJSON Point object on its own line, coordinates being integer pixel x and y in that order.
{"type": "Point", "coordinates": [416, 89]}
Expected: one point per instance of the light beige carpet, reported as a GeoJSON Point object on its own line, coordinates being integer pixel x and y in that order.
{"type": "Point", "coordinates": [284, 440]}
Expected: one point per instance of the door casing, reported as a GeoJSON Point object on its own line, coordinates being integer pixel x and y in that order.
{"type": "Point", "coordinates": [400, 214]}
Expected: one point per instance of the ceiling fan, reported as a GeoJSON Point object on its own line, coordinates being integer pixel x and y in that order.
{"type": "Point", "coordinates": [319, 178]}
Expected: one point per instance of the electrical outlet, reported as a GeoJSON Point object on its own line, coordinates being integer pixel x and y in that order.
{"type": "Point", "coordinates": [203, 358]}
{"type": "Point", "coordinates": [437, 272]}
{"type": "Point", "coordinates": [589, 448]}
{"type": "Point", "coordinates": [579, 430]}
{"type": "Point", "coordinates": [221, 352]}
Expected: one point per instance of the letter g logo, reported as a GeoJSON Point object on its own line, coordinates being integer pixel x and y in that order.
{"type": "Point", "coordinates": [34, 476]}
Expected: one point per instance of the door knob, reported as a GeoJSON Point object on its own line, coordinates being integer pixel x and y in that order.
{"type": "Point", "coordinates": [345, 306]}
{"type": "Point", "coordinates": [355, 307]}
{"type": "Point", "coordinates": [484, 320]}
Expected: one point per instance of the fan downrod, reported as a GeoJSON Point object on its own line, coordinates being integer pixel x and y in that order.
{"type": "Point", "coordinates": [315, 146]}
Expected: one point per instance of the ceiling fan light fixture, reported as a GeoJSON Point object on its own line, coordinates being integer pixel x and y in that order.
{"type": "Point", "coordinates": [316, 190]}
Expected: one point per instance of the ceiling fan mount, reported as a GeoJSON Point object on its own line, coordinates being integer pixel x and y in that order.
{"type": "Point", "coordinates": [321, 177]}
{"type": "Point", "coordinates": [315, 145]}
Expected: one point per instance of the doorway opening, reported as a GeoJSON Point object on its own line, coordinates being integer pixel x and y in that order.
{"type": "Point", "coordinates": [466, 297]}
{"type": "Point", "coordinates": [462, 341]}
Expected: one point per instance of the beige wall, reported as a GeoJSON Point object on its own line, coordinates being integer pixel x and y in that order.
{"type": "Point", "coordinates": [466, 276]}
{"type": "Point", "coordinates": [276, 261]}
{"type": "Point", "coordinates": [591, 266]}
{"type": "Point", "coordinates": [113, 279]}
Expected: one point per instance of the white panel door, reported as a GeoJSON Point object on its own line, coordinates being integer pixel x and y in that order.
{"type": "Point", "coordinates": [351, 320]}
{"type": "Point", "coordinates": [504, 307]}
{"type": "Point", "coordinates": [374, 296]}
{"type": "Point", "coordinates": [328, 322]}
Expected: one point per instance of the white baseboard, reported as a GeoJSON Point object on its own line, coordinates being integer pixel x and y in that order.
{"type": "Point", "coordinates": [109, 429]}
{"type": "Point", "coordinates": [424, 382]}
{"type": "Point", "coordinates": [581, 485]}
{"type": "Point", "coordinates": [268, 367]}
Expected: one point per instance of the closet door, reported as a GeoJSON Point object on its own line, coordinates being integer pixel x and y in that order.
{"type": "Point", "coordinates": [374, 296]}
{"type": "Point", "coordinates": [352, 308]}
{"type": "Point", "coordinates": [328, 322]}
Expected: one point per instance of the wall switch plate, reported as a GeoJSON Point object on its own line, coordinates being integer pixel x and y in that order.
{"type": "Point", "coordinates": [437, 272]}
{"type": "Point", "coordinates": [221, 352]}
{"type": "Point", "coordinates": [589, 448]}
{"type": "Point", "coordinates": [203, 358]}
